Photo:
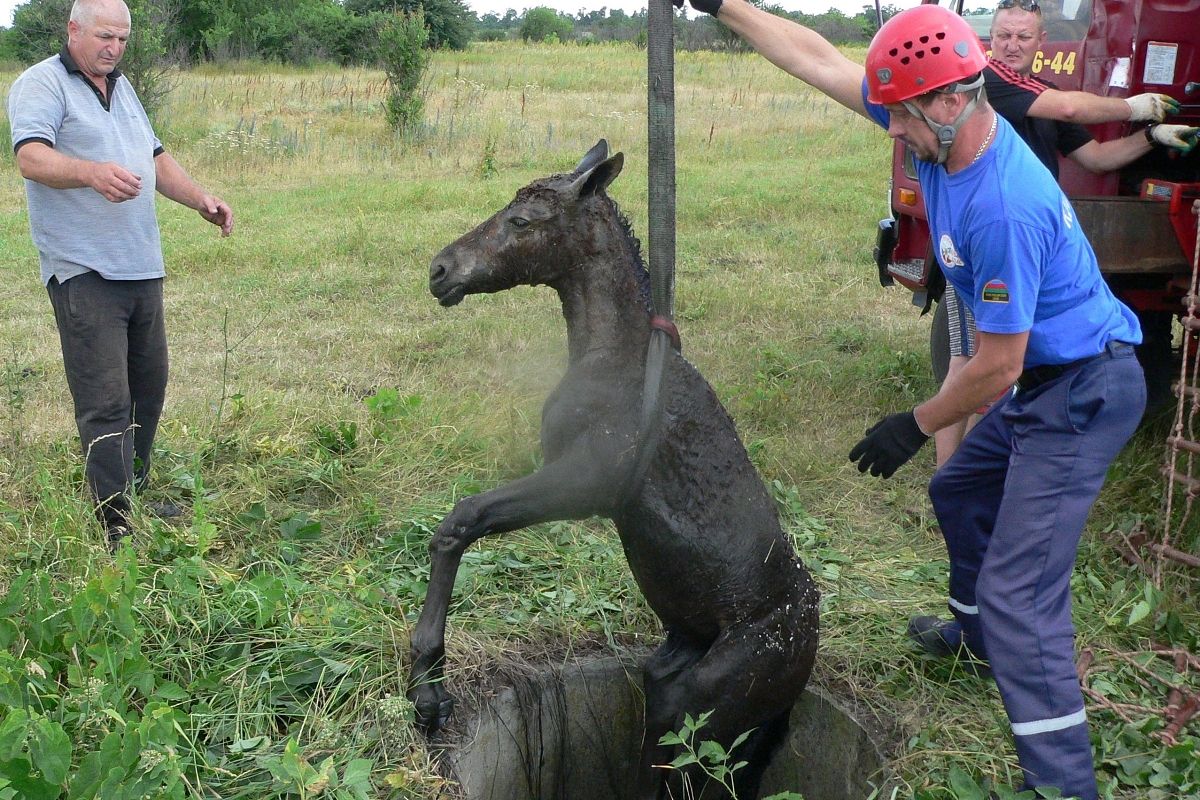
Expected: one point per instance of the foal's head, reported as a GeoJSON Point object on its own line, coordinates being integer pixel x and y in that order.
{"type": "Point", "coordinates": [538, 238]}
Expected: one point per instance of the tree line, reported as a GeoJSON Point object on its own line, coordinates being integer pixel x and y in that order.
{"type": "Point", "coordinates": [347, 32]}
{"type": "Point", "coordinates": [285, 31]}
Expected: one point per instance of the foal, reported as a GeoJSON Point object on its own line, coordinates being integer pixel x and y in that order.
{"type": "Point", "coordinates": [700, 532]}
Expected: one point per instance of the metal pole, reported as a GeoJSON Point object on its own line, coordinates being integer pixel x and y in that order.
{"type": "Point", "coordinates": [660, 124]}
{"type": "Point", "coordinates": [660, 49]}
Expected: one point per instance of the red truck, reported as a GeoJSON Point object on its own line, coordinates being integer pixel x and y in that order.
{"type": "Point", "coordinates": [1138, 219]}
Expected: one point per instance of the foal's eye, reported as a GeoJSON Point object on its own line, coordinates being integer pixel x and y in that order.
{"type": "Point", "coordinates": [519, 222]}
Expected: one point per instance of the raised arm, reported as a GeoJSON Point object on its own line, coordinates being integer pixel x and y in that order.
{"type": "Point", "coordinates": [1086, 108]}
{"type": "Point", "coordinates": [795, 49]}
{"type": "Point", "coordinates": [1101, 157]}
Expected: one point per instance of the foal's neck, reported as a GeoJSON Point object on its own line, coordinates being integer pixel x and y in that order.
{"type": "Point", "coordinates": [601, 296]}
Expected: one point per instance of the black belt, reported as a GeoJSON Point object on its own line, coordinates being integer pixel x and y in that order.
{"type": "Point", "coordinates": [1036, 376]}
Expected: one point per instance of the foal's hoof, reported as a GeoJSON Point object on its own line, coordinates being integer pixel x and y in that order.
{"type": "Point", "coordinates": [433, 718]}
{"type": "Point", "coordinates": [432, 714]}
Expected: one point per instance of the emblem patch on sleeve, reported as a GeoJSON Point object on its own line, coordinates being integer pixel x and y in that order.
{"type": "Point", "coordinates": [950, 256]}
{"type": "Point", "coordinates": [995, 292]}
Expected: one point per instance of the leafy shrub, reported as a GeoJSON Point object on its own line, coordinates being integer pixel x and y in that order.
{"type": "Point", "coordinates": [39, 29]}
{"type": "Point", "coordinates": [546, 25]}
{"type": "Point", "coordinates": [82, 705]}
{"type": "Point", "coordinates": [405, 60]}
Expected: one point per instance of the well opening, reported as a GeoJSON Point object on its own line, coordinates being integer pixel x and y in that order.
{"type": "Point", "coordinates": [573, 732]}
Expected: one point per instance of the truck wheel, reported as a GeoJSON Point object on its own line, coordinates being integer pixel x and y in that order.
{"type": "Point", "coordinates": [939, 343]}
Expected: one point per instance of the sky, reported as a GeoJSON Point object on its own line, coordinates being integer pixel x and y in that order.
{"type": "Point", "coordinates": [481, 7]}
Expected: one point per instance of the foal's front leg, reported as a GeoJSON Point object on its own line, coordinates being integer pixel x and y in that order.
{"type": "Point", "coordinates": [562, 490]}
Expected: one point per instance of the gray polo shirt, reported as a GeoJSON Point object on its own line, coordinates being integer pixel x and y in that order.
{"type": "Point", "coordinates": [76, 230]}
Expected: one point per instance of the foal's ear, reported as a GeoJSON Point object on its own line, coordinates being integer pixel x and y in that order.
{"type": "Point", "coordinates": [598, 178]}
{"type": "Point", "coordinates": [598, 153]}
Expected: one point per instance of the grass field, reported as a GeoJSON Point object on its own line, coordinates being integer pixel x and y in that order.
{"type": "Point", "coordinates": [324, 413]}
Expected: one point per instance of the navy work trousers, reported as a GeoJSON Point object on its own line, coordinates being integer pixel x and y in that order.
{"type": "Point", "coordinates": [114, 345]}
{"type": "Point", "coordinates": [1012, 503]}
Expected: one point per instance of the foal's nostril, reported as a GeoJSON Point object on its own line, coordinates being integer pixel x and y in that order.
{"type": "Point", "coordinates": [436, 272]}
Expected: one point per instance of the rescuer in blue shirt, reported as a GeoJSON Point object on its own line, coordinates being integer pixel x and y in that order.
{"type": "Point", "coordinates": [1013, 500]}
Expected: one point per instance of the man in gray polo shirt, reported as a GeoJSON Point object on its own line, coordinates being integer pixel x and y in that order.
{"type": "Point", "coordinates": [91, 164]}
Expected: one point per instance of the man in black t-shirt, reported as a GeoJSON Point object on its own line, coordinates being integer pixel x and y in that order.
{"type": "Point", "coordinates": [1012, 95]}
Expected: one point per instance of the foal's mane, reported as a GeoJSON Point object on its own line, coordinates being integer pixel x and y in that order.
{"type": "Point", "coordinates": [640, 272]}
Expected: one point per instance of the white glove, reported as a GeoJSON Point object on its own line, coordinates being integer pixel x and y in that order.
{"type": "Point", "coordinates": [1180, 137]}
{"type": "Point", "coordinates": [1151, 107]}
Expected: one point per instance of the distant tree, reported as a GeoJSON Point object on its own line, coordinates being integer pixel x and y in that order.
{"type": "Point", "coordinates": [869, 20]}
{"type": "Point", "coordinates": [228, 29]}
{"type": "Point", "coordinates": [545, 24]}
{"type": "Point", "coordinates": [313, 30]}
{"type": "Point", "coordinates": [290, 31]}
{"type": "Point", "coordinates": [145, 62]}
{"type": "Point", "coordinates": [490, 28]}
{"type": "Point", "coordinates": [837, 27]}
{"type": "Point", "coordinates": [451, 24]}
{"type": "Point", "coordinates": [39, 29]}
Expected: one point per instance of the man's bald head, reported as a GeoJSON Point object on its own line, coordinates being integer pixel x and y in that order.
{"type": "Point", "coordinates": [84, 13]}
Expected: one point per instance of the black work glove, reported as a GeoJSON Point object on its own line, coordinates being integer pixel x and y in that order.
{"type": "Point", "coordinates": [889, 443]}
{"type": "Point", "coordinates": [707, 6]}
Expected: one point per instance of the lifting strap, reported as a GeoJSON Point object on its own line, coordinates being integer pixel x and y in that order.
{"type": "Point", "coordinates": [660, 119]}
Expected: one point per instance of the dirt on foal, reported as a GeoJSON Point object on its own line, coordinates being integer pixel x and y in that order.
{"type": "Point", "coordinates": [701, 532]}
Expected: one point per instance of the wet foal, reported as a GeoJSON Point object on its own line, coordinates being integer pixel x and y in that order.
{"type": "Point", "coordinates": [701, 532]}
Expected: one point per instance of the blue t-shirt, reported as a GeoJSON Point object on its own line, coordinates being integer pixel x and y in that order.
{"type": "Point", "coordinates": [1008, 240]}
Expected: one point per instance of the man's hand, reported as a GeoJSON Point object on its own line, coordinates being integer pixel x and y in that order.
{"type": "Point", "coordinates": [707, 6]}
{"type": "Point", "coordinates": [891, 442]}
{"type": "Point", "coordinates": [112, 181]}
{"type": "Point", "coordinates": [218, 212]}
{"type": "Point", "coordinates": [1151, 107]}
{"type": "Point", "coordinates": [1180, 137]}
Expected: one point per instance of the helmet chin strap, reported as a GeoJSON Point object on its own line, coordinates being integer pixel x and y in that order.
{"type": "Point", "coordinates": [946, 132]}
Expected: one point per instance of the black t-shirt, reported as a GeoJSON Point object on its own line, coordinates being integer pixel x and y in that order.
{"type": "Point", "coordinates": [1012, 95]}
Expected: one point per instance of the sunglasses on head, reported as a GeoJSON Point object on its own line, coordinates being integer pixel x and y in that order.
{"type": "Point", "coordinates": [1027, 5]}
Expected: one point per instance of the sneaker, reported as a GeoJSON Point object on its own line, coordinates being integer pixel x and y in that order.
{"type": "Point", "coordinates": [115, 534]}
{"type": "Point", "coordinates": [942, 638]}
{"type": "Point", "coordinates": [164, 509]}
{"type": "Point", "coordinates": [936, 636]}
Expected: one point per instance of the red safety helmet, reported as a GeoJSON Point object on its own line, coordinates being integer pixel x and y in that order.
{"type": "Point", "coordinates": [919, 50]}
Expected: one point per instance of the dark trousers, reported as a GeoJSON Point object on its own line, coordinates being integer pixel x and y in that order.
{"type": "Point", "coordinates": [114, 345]}
{"type": "Point", "coordinates": [1012, 503]}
